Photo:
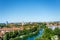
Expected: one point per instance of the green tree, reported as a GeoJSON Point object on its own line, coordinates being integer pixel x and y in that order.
{"type": "Point", "coordinates": [5, 37]}
{"type": "Point", "coordinates": [2, 25]}
{"type": "Point", "coordinates": [57, 31]}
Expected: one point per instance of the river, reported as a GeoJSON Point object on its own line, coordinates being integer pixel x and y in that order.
{"type": "Point", "coordinates": [38, 35]}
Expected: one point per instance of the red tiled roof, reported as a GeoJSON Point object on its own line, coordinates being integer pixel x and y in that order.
{"type": "Point", "coordinates": [9, 29]}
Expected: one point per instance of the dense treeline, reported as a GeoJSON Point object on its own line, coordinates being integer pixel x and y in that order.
{"type": "Point", "coordinates": [2, 25]}
{"type": "Point", "coordinates": [50, 34]}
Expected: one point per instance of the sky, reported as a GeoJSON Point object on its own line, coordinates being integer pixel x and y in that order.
{"type": "Point", "coordinates": [29, 10]}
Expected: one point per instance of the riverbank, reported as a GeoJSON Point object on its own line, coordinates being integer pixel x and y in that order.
{"type": "Point", "coordinates": [38, 35]}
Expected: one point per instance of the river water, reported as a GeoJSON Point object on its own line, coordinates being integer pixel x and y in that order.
{"type": "Point", "coordinates": [38, 35]}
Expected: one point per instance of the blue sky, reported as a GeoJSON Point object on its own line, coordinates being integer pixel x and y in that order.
{"type": "Point", "coordinates": [29, 10]}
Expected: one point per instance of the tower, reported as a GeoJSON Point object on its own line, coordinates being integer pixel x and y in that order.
{"type": "Point", "coordinates": [6, 22]}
